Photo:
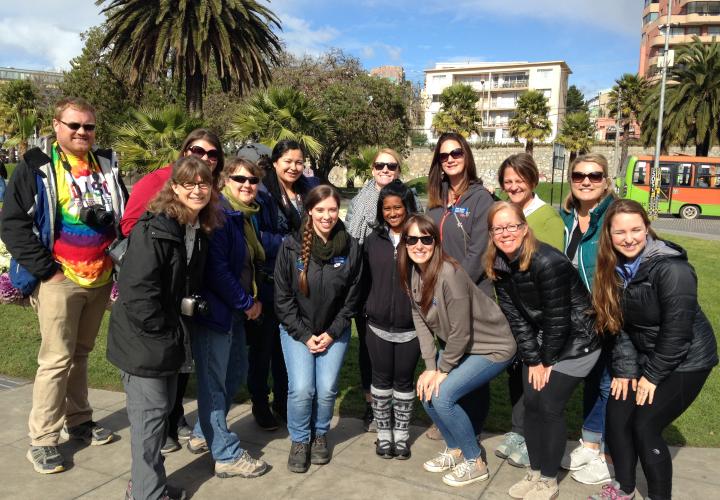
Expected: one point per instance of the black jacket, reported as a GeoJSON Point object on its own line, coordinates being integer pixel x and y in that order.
{"type": "Point", "coordinates": [388, 305]}
{"type": "Point", "coordinates": [335, 291]}
{"type": "Point", "coordinates": [664, 329]}
{"type": "Point", "coordinates": [146, 336]}
{"type": "Point", "coordinates": [549, 301]}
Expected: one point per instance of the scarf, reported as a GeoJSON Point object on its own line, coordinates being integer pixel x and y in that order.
{"type": "Point", "coordinates": [336, 245]}
{"type": "Point", "coordinates": [363, 212]}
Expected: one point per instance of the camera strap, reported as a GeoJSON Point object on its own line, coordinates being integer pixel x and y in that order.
{"type": "Point", "coordinates": [96, 191]}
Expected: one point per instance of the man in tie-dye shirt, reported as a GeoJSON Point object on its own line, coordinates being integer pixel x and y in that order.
{"type": "Point", "coordinates": [59, 217]}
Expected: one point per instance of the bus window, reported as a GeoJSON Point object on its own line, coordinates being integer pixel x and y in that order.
{"type": "Point", "coordinates": [664, 176]}
{"type": "Point", "coordinates": [684, 175]}
{"type": "Point", "coordinates": [640, 172]}
{"type": "Point", "coordinates": [707, 176]}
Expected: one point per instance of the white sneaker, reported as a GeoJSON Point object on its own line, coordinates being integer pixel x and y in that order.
{"type": "Point", "coordinates": [596, 472]}
{"type": "Point", "coordinates": [579, 457]}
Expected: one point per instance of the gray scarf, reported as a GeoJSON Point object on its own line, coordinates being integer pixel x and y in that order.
{"type": "Point", "coordinates": [361, 215]}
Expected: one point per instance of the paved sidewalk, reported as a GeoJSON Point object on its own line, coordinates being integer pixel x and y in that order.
{"type": "Point", "coordinates": [355, 472]}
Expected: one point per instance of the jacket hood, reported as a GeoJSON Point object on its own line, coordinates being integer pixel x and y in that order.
{"type": "Point", "coordinates": [656, 252]}
{"type": "Point", "coordinates": [163, 226]}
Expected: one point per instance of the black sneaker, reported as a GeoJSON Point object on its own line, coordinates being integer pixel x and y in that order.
{"type": "Point", "coordinates": [319, 453]}
{"type": "Point", "coordinates": [170, 493]}
{"type": "Point", "coordinates": [299, 459]}
{"type": "Point", "coordinates": [90, 432]}
{"type": "Point", "coordinates": [45, 459]}
{"type": "Point", "coordinates": [184, 431]}
{"type": "Point", "coordinates": [171, 445]}
{"type": "Point", "coordinates": [264, 417]}
{"type": "Point", "coordinates": [369, 423]}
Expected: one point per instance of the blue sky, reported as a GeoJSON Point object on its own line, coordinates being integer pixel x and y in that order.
{"type": "Point", "coordinates": [599, 39]}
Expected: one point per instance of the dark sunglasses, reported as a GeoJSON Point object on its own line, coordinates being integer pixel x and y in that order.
{"type": "Point", "coordinates": [242, 179]}
{"type": "Point", "coordinates": [379, 165]}
{"type": "Point", "coordinates": [425, 240]}
{"type": "Point", "coordinates": [212, 154]}
{"type": "Point", "coordinates": [455, 153]}
{"type": "Point", "coordinates": [88, 127]}
{"type": "Point", "coordinates": [594, 177]}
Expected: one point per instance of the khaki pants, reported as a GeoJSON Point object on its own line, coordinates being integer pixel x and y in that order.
{"type": "Point", "coordinates": [70, 318]}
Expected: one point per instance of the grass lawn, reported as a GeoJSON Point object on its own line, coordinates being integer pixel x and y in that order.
{"type": "Point", "coordinates": [698, 426]}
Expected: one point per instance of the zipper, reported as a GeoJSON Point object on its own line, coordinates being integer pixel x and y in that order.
{"type": "Point", "coordinates": [392, 285]}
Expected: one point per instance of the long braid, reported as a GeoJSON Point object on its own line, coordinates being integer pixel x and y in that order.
{"type": "Point", "coordinates": [305, 256]}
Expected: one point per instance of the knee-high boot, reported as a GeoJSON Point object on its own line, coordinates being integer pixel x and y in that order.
{"type": "Point", "coordinates": [403, 403]}
{"type": "Point", "coordinates": [381, 405]}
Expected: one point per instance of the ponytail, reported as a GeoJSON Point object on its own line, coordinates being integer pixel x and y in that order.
{"type": "Point", "coordinates": [305, 255]}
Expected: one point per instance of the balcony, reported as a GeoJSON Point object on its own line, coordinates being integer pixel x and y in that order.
{"type": "Point", "coordinates": [515, 84]}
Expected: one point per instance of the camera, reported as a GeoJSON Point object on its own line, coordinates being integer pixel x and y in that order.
{"type": "Point", "coordinates": [96, 216]}
{"type": "Point", "coordinates": [194, 304]}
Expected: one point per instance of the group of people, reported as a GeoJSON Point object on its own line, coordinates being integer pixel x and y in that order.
{"type": "Point", "coordinates": [239, 269]}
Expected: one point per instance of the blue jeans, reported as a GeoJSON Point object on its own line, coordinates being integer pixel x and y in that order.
{"type": "Point", "coordinates": [595, 397]}
{"type": "Point", "coordinates": [312, 385]}
{"type": "Point", "coordinates": [221, 366]}
{"type": "Point", "coordinates": [445, 410]}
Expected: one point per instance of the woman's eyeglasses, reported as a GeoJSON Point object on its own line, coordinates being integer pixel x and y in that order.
{"type": "Point", "coordinates": [595, 177]}
{"type": "Point", "coordinates": [510, 228]}
{"type": "Point", "coordinates": [242, 179]}
{"type": "Point", "coordinates": [199, 151]}
{"type": "Point", "coordinates": [379, 165]}
{"type": "Point", "coordinates": [413, 240]}
{"type": "Point", "coordinates": [455, 153]}
{"type": "Point", "coordinates": [190, 186]}
{"type": "Point", "coordinates": [88, 127]}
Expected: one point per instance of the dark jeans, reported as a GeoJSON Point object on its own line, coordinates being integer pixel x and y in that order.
{"type": "Point", "coordinates": [634, 432]}
{"type": "Point", "coordinates": [393, 364]}
{"type": "Point", "coordinates": [177, 414]}
{"type": "Point", "coordinates": [545, 429]}
{"type": "Point", "coordinates": [363, 355]}
{"type": "Point", "coordinates": [265, 354]}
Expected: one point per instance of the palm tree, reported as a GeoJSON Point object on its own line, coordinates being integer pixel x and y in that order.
{"type": "Point", "coordinates": [360, 164]}
{"type": "Point", "coordinates": [459, 112]}
{"type": "Point", "coordinates": [151, 38]}
{"type": "Point", "coordinates": [628, 97]}
{"type": "Point", "coordinates": [25, 127]}
{"type": "Point", "coordinates": [531, 119]}
{"type": "Point", "coordinates": [280, 113]}
{"type": "Point", "coordinates": [153, 138]}
{"type": "Point", "coordinates": [577, 133]}
{"type": "Point", "coordinates": [692, 100]}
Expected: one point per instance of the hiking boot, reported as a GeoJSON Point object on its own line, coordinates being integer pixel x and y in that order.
{"type": "Point", "coordinates": [579, 457]}
{"type": "Point", "coordinates": [544, 489]}
{"type": "Point", "coordinates": [319, 453]}
{"type": "Point", "coordinates": [264, 417]}
{"type": "Point", "coordinates": [89, 432]}
{"type": "Point", "coordinates": [170, 493]}
{"type": "Point", "coordinates": [383, 448]}
{"type": "Point", "coordinates": [511, 442]}
{"type": "Point", "coordinates": [522, 487]}
{"type": "Point", "coordinates": [244, 466]}
{"type": "Point", "coordinates": [369, 423]}
{"type": "Point", "coordinates": [445, 460]}
{"type": "Point", "coordinates": [433, 433]}
{"type": "Point", "coordinates": [197, 445]}
{"type": "Point", "coordinates": [467, 472]}
{"type": "Point", "coordinates": [45, 459]}
{"type": "Point", "coordinates": [171, 445]}
{"type": "Point", "coordinates": [596, 472]}
{"type": "Point", "coordinates": [299, 458]}
{"type": "Point", "coordinates": [184, 431]}
{"type": "Point", "coordinates": [612, 491]}
{"type": "Point", "coordinates": [519, 457]}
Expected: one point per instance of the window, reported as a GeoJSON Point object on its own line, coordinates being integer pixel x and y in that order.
{"type": "Point", "coordinates": [546, 92]}
{"type": "Point", "coordinates": [650, 2]}
{"type": "Point", "coordinates": [677, 31]}
{"type": "Point", "coordinates": [639, 173]}
{"type": "Point", "coordinates": [436, 98]}
{"type": "Point", "coordinates": [438, 78]}
{"type": "Point", "coordinates": [692, 30]}
{"type": "Point", "coordinates": [702, 8]}
{"type": "Point", "coordinates": [707, 176]}
{"type": "Point", "coordinates": [684, 175]}
{"type": "Point", "coordinates": [652, 16]}
{"type": "Point", "coordinates": [713, 30]}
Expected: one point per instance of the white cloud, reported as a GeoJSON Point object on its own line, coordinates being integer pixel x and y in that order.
{"type": "Point", "coordinates": [368, 52]}
{"type": "Point", "coordinates": [301, 38]}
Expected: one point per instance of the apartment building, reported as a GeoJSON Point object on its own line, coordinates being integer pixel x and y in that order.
{"type": "Point", "coordinates": [48, 77]}
{"type": "Point", "coordinates": [689, 18]}
{"type": "Point", "coordinates": [395, 74]}
{"type": "Point", "coordinates": [500, 84]}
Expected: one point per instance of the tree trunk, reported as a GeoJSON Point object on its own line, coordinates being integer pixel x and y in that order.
{"type": "Point", "coordinates": [529, 146]}
{"type": "Point", "coordinates": [702, 148]}
{"type": "Point", "coordinates": [194, 94]}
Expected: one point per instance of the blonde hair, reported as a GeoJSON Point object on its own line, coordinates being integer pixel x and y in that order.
{"type": "Point", "coordinates": [570, 202]}
{"type": "Point", "coordinates": [529, 244]}
{"type": "Point", "coordinates": [73, 102]}
{"type": "Point", "coordinates": [396, 156]}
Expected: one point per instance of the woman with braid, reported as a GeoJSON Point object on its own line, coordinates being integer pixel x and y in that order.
{"type": "Point", "coordinates": [317, 292]}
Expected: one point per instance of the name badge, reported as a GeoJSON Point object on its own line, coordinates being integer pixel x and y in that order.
{"type": "Point", "coordinates": [461, 211]}
{"type": "Point", "coordinates": [337, 261]}
{"type": "Point", "coordinates": [299, 265]}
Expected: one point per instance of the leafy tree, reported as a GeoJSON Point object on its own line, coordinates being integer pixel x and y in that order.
{"type": "Point", "coordinates": [151, 38]}
{"type": "Point", "coordinates": [458, 111]}
{"type": "Point", "coordinates": [692, 100]}
{"type": "Point", "coordinates": [575, 101]}
{"type": "Point", "coordinates": [26, 123]}
{"type": "Point", "coordinates": [152, 138]}
{"type": "Point", "coordinates": [280, 113]}
{"type": "Point", "coordinates": [630, 91]}
{"type": "Point", "coordinates": [577, 133]}
{"type": "Point", "coordinates": [20, 95]}
{"type": "Point", "coordinates": [531, 119]}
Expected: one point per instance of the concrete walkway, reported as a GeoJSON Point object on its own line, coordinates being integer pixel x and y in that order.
{"type": "Point", "coordinates": [354, 472]}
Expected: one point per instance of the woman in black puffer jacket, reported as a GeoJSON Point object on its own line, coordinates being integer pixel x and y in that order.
{"type": "Point", "coordinates": [645, 295]}
{"type": "Point", "coordinates": [548, 309]}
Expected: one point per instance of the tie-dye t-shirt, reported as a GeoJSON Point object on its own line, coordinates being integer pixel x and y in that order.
{"type": "Point", "coordinates": [80, 248]}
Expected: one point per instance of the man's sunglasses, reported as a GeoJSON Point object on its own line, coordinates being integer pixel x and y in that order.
{"type": "Point", "coordinates": [455, 153]}
{"type": "Point", "coordinates": [242, 179]}
{"type": "Point", "coordinates": [379, 165]}
{"type": "Point", "coordinates": [595, 177]}
{"type": "Point", "coordinates": [212, 154]}
{"type": "Point", "coordinates": [75, 126]}
{"type": "Point", "coordinates": [425, 240]}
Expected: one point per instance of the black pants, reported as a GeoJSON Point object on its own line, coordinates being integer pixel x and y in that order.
{"type": "Point", "coordinates": [634, 432]}
{"type": "Point", "coordinates": [178, 411]}
{"type": "Point", "coordinates": [515, 388]}
{"type": "Point", "coordinates": [265, 354]}
{"type": "Point", "coordinates": [545, 430]}
{"type": "Point", "coordinates": [393, 364]}
{"type": "Point", "coordinates": [363, 356]}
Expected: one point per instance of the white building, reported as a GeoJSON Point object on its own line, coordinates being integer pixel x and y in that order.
{"type": "Point", "coordinates": [500, 85]}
